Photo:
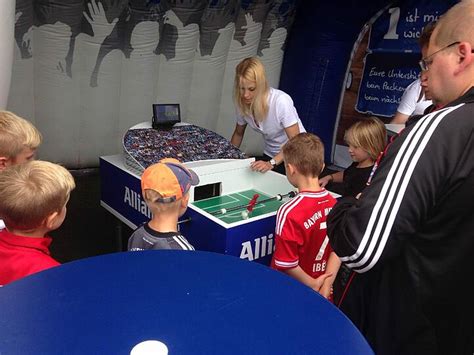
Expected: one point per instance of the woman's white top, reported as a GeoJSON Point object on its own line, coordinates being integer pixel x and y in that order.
{"type": "Point", "coordinates": [409, 103]}
{"type": "Point", "coordinates": [281, 114]}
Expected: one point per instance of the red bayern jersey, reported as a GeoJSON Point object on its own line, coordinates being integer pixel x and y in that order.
{"type": "Point", "coordinates": [301, 233]}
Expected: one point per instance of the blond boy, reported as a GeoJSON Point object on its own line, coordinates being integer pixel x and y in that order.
{"type": "Point", "coordinates": [19, 139]}
{"type": "Point", "coordinates": [301, 245]}
{"type": "Point", "coordinates": [33, 199]}
{"type": "Point", "coordinates": [165, 188]}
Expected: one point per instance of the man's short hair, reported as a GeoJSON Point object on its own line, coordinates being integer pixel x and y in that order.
{"type": "Point", "coordinates": [16, 133]}
{"type": "Point", "coordinates": [30, 192]}
{"type": "Point", "coordinates": [457, 24]}
{"type": "Point", "coordinates": [305, 152]}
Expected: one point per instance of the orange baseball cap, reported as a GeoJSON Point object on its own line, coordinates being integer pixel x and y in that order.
{"type": "Point", "coordinates": [171, 179]}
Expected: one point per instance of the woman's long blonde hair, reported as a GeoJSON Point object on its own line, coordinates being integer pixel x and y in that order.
{"type": "Point", "coordinates": [369, 134]}
{"type": "Point", "coordinates": [252, 69]}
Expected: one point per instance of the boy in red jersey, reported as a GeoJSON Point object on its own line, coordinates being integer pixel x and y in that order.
{"type": "Point", "coordinates": [33, 199]}
{"type": "Point", "coordinates": [301, 244]}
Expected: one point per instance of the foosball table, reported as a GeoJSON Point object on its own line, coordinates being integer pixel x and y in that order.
{"type": "Point", "coordinates": [232, 210]}
{"type": "Point", "coordinates": [240, 215]}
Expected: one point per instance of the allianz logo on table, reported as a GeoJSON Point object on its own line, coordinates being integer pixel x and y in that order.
{"type": "Point", "coordinates": [134, 200]}
{"type": "Point", "coordinates": [257, 248]}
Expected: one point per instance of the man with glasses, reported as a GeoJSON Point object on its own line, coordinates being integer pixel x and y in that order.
{"type": "Point", "coordinates": [410, 236]}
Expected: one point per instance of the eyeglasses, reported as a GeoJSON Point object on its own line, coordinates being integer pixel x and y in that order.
{"type": "Point", "coordinates": [427, 61]}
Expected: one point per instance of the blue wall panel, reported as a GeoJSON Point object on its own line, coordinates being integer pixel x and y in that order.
{"type": "Point", "coordinates": [316, 59]}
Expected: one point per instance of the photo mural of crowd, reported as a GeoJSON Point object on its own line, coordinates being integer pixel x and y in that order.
{"type": "Point", "coordinates": [185, 143]}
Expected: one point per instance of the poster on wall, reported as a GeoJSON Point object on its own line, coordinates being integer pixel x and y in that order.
{"type": "Point", "coordinates": [389, 42]}
{"type": "Point", "coordinates": [398, 28]}
{"type": "Point", "coordinates": [384, 79]}
{"type": "Point", "coordinates": [393, 52]}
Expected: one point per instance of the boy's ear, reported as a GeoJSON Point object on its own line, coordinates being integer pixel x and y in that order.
{"type": "Point", "coordinates": [290, 168]}
{"type": "Point", "coordinates": [324, 165]}
{"type": "Point", "coordinates": [185, 200]}
{"type": "Point", "coordinates": [50, 221]}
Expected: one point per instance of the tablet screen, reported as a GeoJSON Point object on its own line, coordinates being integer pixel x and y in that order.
{"type": "Point", "coordinates": [166, 114]}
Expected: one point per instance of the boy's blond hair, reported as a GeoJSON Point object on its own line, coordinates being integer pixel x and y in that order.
{"type": "Point", "coordinates": [252, 69]}
{"type": "Point", "coordinates": [305, 152]}
{"type": "Point", "coordinates": [30, 192]}
{"type": "Point", "coordinates": [152, 200]}
{"type": "Point", "coordinates": [16, 133]}
{"type": "Point", "coordinates": [369, 134]}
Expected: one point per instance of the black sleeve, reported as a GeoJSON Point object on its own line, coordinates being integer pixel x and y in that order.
{"type": "Point", "coordinates": [337, 222]}
{"type": "Point", "coordinates": [415, 173]}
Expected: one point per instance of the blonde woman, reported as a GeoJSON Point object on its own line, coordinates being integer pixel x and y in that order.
{"type": "Point", "coordinates": [266, 110]}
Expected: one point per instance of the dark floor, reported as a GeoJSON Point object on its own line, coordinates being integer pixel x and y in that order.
{"type": "Point", "coordinates": [89, 229]}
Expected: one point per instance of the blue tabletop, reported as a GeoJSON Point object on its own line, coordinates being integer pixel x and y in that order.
{"type": "Point", "coordinates": [194, 302]}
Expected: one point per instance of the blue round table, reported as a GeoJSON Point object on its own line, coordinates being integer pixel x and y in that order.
{"type": "Point", "coordinates": [194, 302]}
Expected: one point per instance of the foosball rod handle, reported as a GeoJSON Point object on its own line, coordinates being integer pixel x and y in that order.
{"type": "Point", "coordinates": [186, 220]}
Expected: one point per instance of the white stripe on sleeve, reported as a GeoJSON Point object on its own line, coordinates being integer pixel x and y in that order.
{"type": "Point", "coordinates": [388, 203]}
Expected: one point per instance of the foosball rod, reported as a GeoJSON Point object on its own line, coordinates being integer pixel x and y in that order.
{"type": "Point", "coordinates": [186, 220]}
{"type": "Point", "coordinates": [278, 197]}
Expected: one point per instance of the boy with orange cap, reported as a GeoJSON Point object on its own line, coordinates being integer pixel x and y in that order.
{"type": "Point", "coordinates": [165, 188]}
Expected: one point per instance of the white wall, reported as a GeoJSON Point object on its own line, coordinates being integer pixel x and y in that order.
{"type": "Point", "coordinates": [7, 22]}
{"type": "Point", "coordinates": [86, 72]}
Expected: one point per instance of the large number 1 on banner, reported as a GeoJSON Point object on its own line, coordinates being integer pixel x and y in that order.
{"type": "Point", "coordinates": [392, 27]}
